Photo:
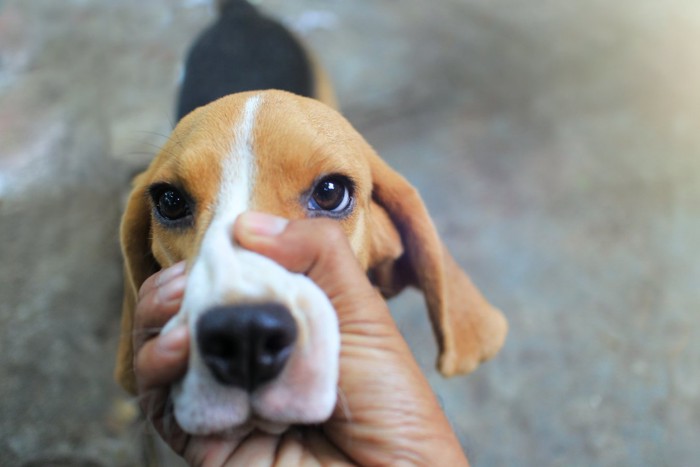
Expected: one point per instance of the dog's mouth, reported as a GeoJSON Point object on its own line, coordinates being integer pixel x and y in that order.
{"type": "Point", "coordinates": [265, 359]}
{"type": "Point", "coordinates": [257, 424]}
{"type": "Point", "coordinates": [251, 425]}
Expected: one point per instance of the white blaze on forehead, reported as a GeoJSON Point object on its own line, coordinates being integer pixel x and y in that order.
{"type": "Point", "coordinates": [238, 168]}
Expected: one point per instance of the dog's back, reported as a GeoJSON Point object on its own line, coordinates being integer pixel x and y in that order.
{"type": "Point", "coordinates": [243, 51]}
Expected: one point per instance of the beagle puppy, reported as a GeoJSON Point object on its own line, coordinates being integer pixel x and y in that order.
{"type": "Point", "coordinates": [265, 342]}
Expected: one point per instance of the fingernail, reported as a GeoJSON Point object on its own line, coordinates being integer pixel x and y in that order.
{"type": "Point", "coordinates": [172, 289]}
{"type": "Point", "coordinates": [261, 224]}
{"type": "Point", "coordinates": [170, 273]}
{"type": "Point", "coordinates": [173, 340]}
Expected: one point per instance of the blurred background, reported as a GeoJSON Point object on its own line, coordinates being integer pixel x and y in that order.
{"type": "Point", "coordinates": [556, 145]}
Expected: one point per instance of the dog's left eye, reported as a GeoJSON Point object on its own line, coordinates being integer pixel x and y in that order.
{"type": "Point", "coordinates": [332, 194]}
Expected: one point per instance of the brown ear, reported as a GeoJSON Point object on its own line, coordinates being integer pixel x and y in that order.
{"type": "Point", "coordinates": [467, 328]}
{"type": "Point", "coordinates": [139, 264]}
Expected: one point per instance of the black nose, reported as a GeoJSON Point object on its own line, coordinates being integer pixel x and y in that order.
{"type": "Point", "coordinates": [246, 345]}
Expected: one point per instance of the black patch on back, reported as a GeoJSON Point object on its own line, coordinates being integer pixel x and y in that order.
{"type": "Point", "coordinates": [242, 51]}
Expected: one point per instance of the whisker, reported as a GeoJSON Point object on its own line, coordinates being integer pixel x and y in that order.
{"type": "Point", "coordinates": [172, 122]}
{"type": "Point", "coordinates": [153, 133]}
{"type": "Point", "coordinates": [168, 421]}
{"type": "Point", "coordinates": [175, 137]}
{"type": "Point", "coordinates": [166, 138]}
{"type": "Point", "coordinates": [157, 147]}
{"type": "Point", "coordinates": [126, 155]}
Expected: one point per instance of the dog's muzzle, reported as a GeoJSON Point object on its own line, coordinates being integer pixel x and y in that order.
{"type": "Point", "coordinates": [264, 349]}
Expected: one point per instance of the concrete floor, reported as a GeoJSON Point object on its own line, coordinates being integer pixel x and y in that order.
{"type": "Point", "coordinates": [556, 145]}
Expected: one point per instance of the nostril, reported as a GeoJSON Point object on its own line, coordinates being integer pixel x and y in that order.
{"type": "Point", "coordinates": [222, 347]}
{"type": "Point", "coordinates": [246, 345]}
{"type": "Point", "coordinates": [220, 353]}
{"type": "Point", "coordinates": [273, 353]}
{"type": "Point", "coordinates": [276, 343]}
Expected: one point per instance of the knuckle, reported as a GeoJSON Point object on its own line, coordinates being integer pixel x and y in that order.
{"type": "Point", "coordinates": [148, 285]}
{"type": "Point", "coordinates": [333, 246]}
{"type": "Point", "coordinates": [144, 308]}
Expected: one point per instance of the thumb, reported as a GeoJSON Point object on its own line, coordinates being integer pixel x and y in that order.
{"type": "Point", "coordinates": [319, 249]}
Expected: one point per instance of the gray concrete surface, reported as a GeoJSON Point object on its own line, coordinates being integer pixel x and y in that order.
{"type": "Point", "coordinates": [555, 143]}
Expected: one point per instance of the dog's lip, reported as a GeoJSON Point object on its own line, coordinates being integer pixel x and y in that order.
{"type": "Point", "coordinates": [270, 427]}
{"type": "Point", "coordinates": [256, 423]}
{"type": "Point", "coordinates": [253, 422]}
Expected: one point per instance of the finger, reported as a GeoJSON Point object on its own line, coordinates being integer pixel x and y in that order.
{"type": "Point", "coordinates": [315, 247]}
{"type": "Point", "coordinates": [320, 249]}
{"type": "Point", "coordinates": [163, 360]}
{"type": "Point", "coordinates": [161, 277]}
{"type": "Point", "coordinates": [158, 364]}
{"type": "Point", "coordinates": [157, 305]}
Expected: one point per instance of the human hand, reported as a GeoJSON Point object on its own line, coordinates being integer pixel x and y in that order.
{"type": "Point", "coordinates": [386, 413]}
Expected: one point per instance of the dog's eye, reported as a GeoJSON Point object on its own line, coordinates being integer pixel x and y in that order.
{"type": "Point", "coordinates": [332, 194]}
{"type": "Point", "coordinates": [171, 204]}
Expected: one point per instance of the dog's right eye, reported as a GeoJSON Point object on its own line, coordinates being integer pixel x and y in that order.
{"type": "Point", "coordinates": [170, 203]}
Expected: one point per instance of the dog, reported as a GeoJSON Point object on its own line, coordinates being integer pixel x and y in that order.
{"type": "Point", "coordinates": [265, 342]}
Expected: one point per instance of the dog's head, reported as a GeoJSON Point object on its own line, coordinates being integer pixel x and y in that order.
{"type": "Point", "coordinates": [265, 342]}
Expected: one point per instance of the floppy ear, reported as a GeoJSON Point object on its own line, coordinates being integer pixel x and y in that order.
{"type": "Point", "coordinates": [406, 250]}
{"type": "Point", "coordinates": [139, 264]}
